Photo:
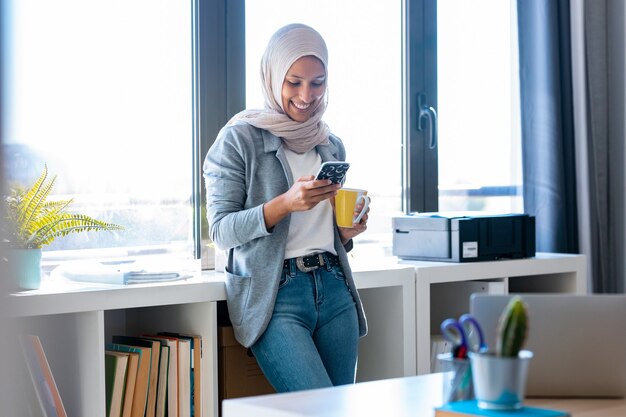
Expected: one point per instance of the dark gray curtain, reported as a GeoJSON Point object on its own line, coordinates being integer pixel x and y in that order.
{"type": "Point", "coordinates": [547, 122]}
{"type": "Point", "coordinates": [600, 103]}
{"type": "Point", "coordinates": [598, 146]}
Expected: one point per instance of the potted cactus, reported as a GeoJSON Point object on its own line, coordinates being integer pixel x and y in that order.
{"type": "Point", "coordinates": [512, 328]}
{"type": "Point", "coordinates": [500, 376]}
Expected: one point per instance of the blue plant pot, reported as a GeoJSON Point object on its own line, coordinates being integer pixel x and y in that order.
{"type": "Point", "coordinates": [25, 266]}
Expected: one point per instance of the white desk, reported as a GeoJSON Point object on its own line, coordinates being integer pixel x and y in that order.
{"type": "Point", "coordinates": [415, 396]}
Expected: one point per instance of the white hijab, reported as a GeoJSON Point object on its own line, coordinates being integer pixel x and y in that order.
{"type": "Point", "coordinates": [286, 46]}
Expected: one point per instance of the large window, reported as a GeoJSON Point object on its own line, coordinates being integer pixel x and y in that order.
{"type": "Point", "coordinates": [364, 85]}
{"type": "Point", "coordinates": [101, 92]}
{"type": "Point", "coordinates": [478, 106]}
{"type": "Point", "coordinates": [462, 94]}
{"type": "Point", "coordinates": [459, 62]}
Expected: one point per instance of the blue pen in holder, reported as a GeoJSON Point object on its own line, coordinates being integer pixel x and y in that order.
{"type": "Point", "coordinates": [457, 378]}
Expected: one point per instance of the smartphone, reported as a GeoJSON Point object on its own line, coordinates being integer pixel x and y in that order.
{"type": "Point", "coordinates": [334, 171]}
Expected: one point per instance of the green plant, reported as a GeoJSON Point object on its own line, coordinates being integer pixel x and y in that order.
{"type": "Point", "coordinates": [512, 328]}
{"type": "Point", "coordinates": [33, 221]}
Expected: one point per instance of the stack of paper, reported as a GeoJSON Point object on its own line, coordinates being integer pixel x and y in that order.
{"type": "Point", "coordinates": [119, 273]}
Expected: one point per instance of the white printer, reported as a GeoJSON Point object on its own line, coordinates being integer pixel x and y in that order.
{"type": "Point", "coordinates": [463, 236]}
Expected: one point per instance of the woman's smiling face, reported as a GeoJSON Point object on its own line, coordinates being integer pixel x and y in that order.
{"type": "Point", "coordinates": [303, 87]}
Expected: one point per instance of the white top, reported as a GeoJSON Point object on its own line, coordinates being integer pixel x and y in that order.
{"type": "Point", "coordinates": [309, 231]}
{"type": "Point", "coordinates": [399, 397]}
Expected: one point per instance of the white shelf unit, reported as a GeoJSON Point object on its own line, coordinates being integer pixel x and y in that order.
{"type": "Point", "coordinates": [436, 282]}
{"type": "Point", "coordinates": [74, 327]}
{"type": "Point", "coordinates": [74, 323]}
{"type": "Point", "coordinates": [388, 296]}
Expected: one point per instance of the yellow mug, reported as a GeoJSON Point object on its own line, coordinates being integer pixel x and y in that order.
{"type": "Point", "coordinates": [345, 202]}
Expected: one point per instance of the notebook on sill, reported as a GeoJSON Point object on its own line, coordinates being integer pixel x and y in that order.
{"type": "Point", "coordinates": [578, 341]}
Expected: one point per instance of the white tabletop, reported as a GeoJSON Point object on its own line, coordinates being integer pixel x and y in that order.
{"type": "Point", "coordinates": [397, 397]}
{"type": "Point", "coordinates": [415, 396]}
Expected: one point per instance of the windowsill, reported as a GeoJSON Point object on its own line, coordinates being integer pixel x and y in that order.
{"type": "Point", "coordinates": [52, 286]}
{"type": "Point", "coordinates": [374, 251]}
{"type": "Point", "coordinates": [77, 297]}
{"type": "Point", "coordinates": [66, 276]}
{"type": "Point", "coordinates": [206, 286]}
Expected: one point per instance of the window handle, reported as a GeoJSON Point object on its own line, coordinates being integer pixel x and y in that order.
{"type": "Point", "coordinates": [427, 117]}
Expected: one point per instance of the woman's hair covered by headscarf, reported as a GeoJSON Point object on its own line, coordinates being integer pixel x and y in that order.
{"type": "Point", "coordinates": [286, 46]}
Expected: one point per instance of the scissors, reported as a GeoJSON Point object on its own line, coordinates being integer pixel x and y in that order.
{"type": "Point", "coordinates": [465, 335]}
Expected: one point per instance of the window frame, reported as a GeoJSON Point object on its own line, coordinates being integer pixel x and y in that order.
{"type": "Point", "coordinates": [221, 86]}
{"type": "Point", "coordinates": [420, 163]}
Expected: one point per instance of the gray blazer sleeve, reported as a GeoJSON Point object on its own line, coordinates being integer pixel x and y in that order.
{"type": "Point", "coordinates": [231, 222]}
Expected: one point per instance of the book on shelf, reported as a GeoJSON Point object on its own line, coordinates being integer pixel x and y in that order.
{"type": "Point", "coordinates": [172, 373]}
{"type": "Point", "coordinates": [41, 376]}
{"type": "Point", "coordinates": [131, 380]}
{"type": "Point", "coordinates": [161, 400]}
{"type": "Point", "coordinates": [142, 381]}
{"type": "Point", "coordinates": [155, 352]}
{"type": "Point", "coordinates": [438, 344]}
{"type": "Point", "coordinates": [195, 376]}
{"type": "Point", "coordinates": [470, 409]}
{"type": "Point", "coordinates": [115, 366]}
{"type": "Point", "coordinates": [184, 378]}
{"type": "Point", "coordinates": [162, 375]}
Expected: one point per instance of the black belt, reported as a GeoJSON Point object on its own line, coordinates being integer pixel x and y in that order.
{"type": "Point", "coordinates": [312, 262]}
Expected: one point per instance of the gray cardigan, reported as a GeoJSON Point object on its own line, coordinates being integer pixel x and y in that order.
{"type": "Point", "coordinates": [243, 169]}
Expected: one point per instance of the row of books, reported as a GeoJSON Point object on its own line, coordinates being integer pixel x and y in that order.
{"type": "Point", "coordinates": [438, 345]}
{"type": "Point", "coordinates": [154, 375]}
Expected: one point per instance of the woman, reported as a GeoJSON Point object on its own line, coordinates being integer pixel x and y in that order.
{"type": "Point", "coordinates": [290, 292]}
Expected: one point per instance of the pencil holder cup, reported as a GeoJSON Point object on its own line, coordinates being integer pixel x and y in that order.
{"type": "Point", "coordinates": [457, 378]}
{"type": "Point", "coordinates": [500, 381]}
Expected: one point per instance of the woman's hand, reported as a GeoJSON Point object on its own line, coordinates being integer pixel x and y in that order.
{"type": "Point", "coordinates": [348, 233]}
{"type": "Point", "coordinates": [307, 192]}
{"type": "Point", "coordinates": [304, 194]}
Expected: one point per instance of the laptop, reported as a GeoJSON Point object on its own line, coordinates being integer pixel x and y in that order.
{"type": "Point", "coordinates": [578, 342]}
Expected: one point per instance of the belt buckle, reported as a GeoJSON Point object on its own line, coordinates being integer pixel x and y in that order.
{"type": "Point", "coordinates": [303, 268]}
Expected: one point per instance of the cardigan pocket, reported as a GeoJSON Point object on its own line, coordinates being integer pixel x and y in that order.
{"type": "Point", "coordinates": [237, 293]}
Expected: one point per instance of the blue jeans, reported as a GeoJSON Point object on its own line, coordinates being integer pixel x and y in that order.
{"type": "Point", "coordinates": [312, 338]}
